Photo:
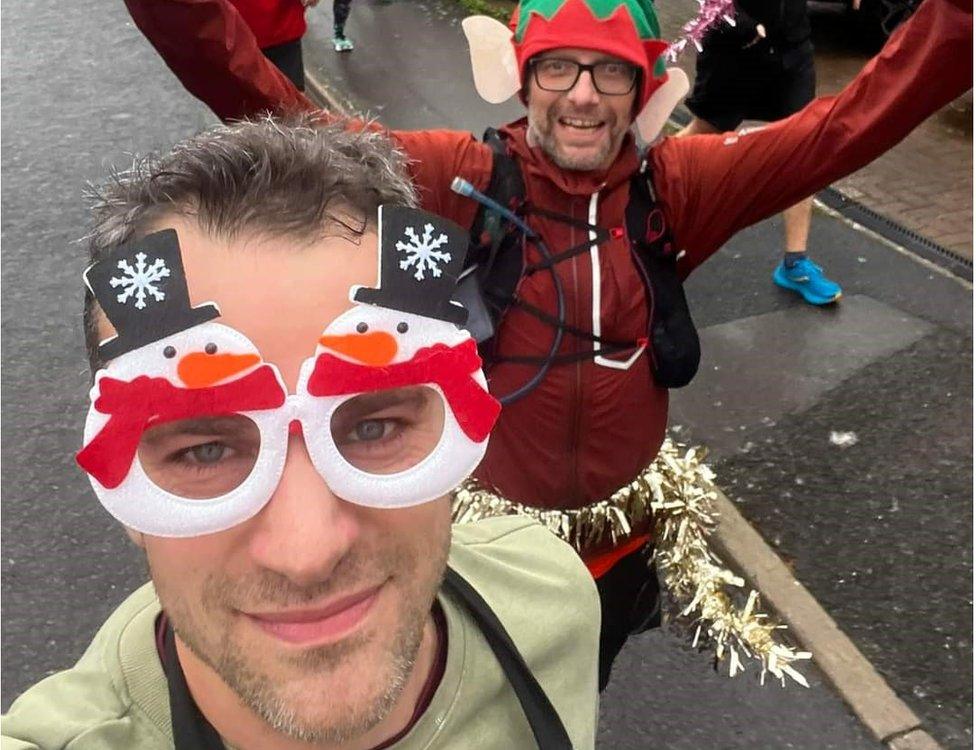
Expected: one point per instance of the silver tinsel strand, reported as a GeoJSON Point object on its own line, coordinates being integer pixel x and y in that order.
{"type": "Point", "coordinates": [677, 492]}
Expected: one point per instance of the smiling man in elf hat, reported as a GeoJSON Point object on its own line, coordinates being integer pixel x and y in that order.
{"type": "Point", "coordinates": [580, 120]}
{"type": "Point", "coordinates": [584, 325]}
{"type": "Point", "coordinates": [280, 433]}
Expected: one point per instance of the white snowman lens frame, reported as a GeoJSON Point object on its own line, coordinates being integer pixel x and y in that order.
{"type": "Point", "coordinates": [189, 435]}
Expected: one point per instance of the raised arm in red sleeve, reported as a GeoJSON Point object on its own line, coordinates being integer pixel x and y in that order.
{"type": "Point", "coordinates": [712, 186]}
{"type": "Point", "coordinates": [214, 53]}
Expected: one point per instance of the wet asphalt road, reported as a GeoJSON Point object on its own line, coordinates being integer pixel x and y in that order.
{"type": "Point", "coordinates": [880, 531]}
{"type": "Point", "coordinates": [81, 92]}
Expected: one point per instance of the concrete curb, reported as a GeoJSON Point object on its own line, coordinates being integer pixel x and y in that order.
{"type": "Point", "coordinates": [322, 95]}
{"type": "Point", "coordinates": [850, 674]}
{"type": "Point", "coordinates": [853, 677]}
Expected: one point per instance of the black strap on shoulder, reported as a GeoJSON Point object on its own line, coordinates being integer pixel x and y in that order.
{"type": "Point", "coordinates": [674, 347]}
{"type": "Point", "coordinates": [494, 263]}
{"type": "Point", "coordinates": [640, 215]}
{"type": "Point", "coordinates": [489, 232]}
{"type": "Point", "coordinates": [547, 727]}
{"type": "Point", "coordinates": [498, 260]}
{"type": "Point", "coordinates": [192, 731]}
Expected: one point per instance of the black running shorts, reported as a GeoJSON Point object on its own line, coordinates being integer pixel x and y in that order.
{"type": "Point", "coordinates": [758, 83]}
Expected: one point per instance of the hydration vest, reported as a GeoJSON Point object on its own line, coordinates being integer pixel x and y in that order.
{"type": "Point", "coordinates": [496, 262]}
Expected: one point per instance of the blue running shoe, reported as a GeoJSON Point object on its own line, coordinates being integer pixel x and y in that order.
{"type": "Point", "coordinates": [806, 278]}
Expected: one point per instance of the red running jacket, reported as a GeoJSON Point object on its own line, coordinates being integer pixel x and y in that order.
{"type": "Point", "coordinates": [273, 21]}
{"type": "Point", "coordinates": [588, 429]}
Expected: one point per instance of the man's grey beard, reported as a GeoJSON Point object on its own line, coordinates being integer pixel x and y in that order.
{"type": "Point", "coordinates": [260, 693]}
{"type": "Point", "coordinates": [547, 142]}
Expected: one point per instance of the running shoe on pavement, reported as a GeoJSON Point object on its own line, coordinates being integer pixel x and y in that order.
{"type": "Point", "coordinates": [806, 278]}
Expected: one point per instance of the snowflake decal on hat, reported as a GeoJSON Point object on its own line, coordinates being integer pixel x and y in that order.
{"type": "Point", "coordinates": [140, 280]}
{"type": "Point", "coordinates": [422, 252]}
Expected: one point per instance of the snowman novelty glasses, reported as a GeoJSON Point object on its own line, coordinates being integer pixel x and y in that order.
{"type": "Point", "coordinates": [188, 430]}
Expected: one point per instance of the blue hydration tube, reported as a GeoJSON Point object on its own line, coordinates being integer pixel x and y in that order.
{"type": "Point", "coordinates": [462, 187]}
{"type": "Point", "coordinates": [465, 188]}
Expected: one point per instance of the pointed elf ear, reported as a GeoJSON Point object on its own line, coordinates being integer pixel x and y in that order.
{"type": "Point", "coordinates": [662, 102]}
{"type": "Point", "coordinates": [493, 63]}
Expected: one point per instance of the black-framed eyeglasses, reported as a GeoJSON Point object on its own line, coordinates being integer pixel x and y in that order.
{"type": "Point", "coordinates": [610, 77]}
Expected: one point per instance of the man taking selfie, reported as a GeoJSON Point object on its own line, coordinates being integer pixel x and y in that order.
{"type": "Point", "coordinates": [279, 433]}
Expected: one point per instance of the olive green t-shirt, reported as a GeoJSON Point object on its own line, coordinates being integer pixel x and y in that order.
{"type": "Point", "coordinates": [116, 696]}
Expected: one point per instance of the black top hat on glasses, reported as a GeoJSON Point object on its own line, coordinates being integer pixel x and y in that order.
{"type": "Point", "coordinates": [141, 288]}
{"type": "Point", "coordinates": [421, 258]}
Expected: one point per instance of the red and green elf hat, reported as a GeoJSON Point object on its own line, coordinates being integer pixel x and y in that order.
{"type": "Point", "coordinates": [627, 29]}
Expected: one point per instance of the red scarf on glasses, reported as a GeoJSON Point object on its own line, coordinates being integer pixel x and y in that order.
{"type": "Point", "coordinates": [450, 367]}
{"type": "Point", "coordinates": [132, 405]}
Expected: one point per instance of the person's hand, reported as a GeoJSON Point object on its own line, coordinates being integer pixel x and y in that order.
{"type": "Point", "coordinates": [856, 4]}
{"type": "Point", "coordinates": [313, 3]}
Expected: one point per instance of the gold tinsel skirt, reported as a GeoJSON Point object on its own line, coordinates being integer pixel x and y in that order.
{"type": "Point", "coordinates": [677, 494]}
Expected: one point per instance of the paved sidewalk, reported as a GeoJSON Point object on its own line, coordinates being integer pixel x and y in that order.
{"type": "Point", "coordinates": [925, 183]}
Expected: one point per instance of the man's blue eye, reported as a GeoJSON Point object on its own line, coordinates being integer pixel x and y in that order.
{"type": "Point", "coordinates": [370, 429]}
{"type": "Point", "coordinates": [208, 453]}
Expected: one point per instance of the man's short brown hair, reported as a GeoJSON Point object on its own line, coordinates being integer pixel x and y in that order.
{"type": "Point", "coordinates": [275, 177]}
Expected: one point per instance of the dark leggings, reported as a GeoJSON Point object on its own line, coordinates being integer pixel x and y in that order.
{"type": "Point", "coordinates": [288, 58]}
{"type": "Point", "coordinates": [630, 603]}
{"type": "Point", "coordinates": [340, 13]}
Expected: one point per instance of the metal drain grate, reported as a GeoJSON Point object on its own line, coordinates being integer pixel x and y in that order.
{"type": "Point", "coordinates": [895, 232]}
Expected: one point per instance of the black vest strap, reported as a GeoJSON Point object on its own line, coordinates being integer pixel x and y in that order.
{"type": "Point", "coordinates": [602, 235]}
{"type": "Point", "coordinates": [547, 727]}
{"type": "Point", "coordinates": [497, 252]}
{"type": "Point", "coordinates": [577, 249]}
{"type": "Point", "coordinates": [573, 330]}
{"type": "Point", "coordinates": [192, 731]}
